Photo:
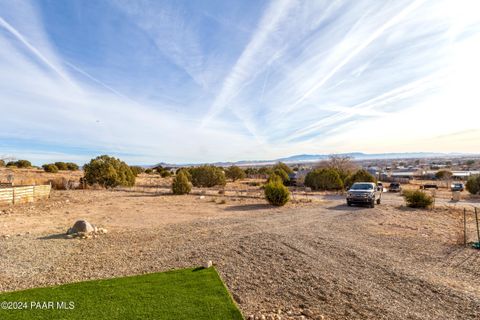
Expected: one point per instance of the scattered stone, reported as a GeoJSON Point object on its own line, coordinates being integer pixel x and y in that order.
{"type": "Point", "coordinates": [307, 313]}
{"type": "Point", "coordinates": [208, 264]}
{"type": "Point", "coordinates": [201, 197]}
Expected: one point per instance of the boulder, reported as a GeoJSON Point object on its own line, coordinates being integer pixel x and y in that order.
{"type": "Point", "coordinates": [81, 226]}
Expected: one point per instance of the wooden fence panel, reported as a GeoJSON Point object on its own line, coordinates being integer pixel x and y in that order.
{"type": "Point", "coordinates": [6, 195]}
{"type": "Point", "coordinates": [24, 194]}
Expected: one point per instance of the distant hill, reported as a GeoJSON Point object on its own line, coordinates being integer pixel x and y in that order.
{"type": "Point", "coordinates": [305, 158]}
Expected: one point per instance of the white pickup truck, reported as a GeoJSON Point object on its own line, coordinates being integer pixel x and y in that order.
{"type": "Point", "coordinates": [364, 193]}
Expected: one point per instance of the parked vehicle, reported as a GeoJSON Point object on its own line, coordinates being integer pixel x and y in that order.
{"type": "Point", "coordinates": [457, 186]}
{"type": "Point", "coordinates": [429, 186]}
{"type": "Point", "coordinates": [394, 187]}
{"type": "Point", "coordinates": [364, 193]}
{"type": "Point", "coordinates": [292, 180]}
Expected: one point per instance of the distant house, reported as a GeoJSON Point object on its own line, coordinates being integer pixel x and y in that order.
{"type": "Point", "coordinates": [464, 174]}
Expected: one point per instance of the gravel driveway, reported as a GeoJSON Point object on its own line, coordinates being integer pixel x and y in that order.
{"type": "Point", "coordinates": [323, 261]}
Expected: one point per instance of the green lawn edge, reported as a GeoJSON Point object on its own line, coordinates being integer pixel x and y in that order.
{"type": "Point", "coordinates": [194, 293]}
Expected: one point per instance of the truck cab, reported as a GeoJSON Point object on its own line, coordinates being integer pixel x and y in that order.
{"type": "Point", "coordinates": [364, 193]}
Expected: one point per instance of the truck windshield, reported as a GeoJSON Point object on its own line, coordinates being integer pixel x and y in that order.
{"type": "Point", "coordinates": [362, 186]}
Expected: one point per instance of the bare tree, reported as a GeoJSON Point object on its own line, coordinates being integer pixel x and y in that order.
{"type": "Point", "coordinates": [445, 175]}
{"type": "Point", "coordinates": [344, 165]}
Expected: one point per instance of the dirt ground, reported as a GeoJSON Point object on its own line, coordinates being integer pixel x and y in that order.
{"type": "Point", "coordinates": [315, 258]}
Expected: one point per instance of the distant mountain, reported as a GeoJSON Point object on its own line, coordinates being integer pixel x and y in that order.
{"type": "Point", "coordinates": [305, 158]}
{"type": "Point", "coordinates": [365, 156]}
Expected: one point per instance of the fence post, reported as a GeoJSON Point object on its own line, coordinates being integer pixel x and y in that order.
{"type": "Point", "coordinates": [465, 226]}
{"type": "Point", "coordinates": [478, 229]}
{"type": "Point", "coordinates": [13, 193]}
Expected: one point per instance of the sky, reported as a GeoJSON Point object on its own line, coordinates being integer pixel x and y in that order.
{"type": "Point", "coordinates": [212, 80]}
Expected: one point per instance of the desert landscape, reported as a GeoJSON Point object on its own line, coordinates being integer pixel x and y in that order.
{"type": "Point", "coordinates": [314, 258]}
{"type": "Point", "coordinates": [239, 160]}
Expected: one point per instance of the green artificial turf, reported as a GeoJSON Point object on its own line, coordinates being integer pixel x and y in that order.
{"type": "Point", "coordinates": [180, 294]}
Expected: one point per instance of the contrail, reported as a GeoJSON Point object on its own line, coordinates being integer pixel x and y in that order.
{"type": "Point", "coordinates": [98, 81]}
{"type": "Point", "coordinates": [39, 55]}
{"type": "Point", "coordinates": [34, 50]}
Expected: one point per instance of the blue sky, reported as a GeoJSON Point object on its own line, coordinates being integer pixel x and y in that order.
{"type": "Point", "coordinates": [201, 81]}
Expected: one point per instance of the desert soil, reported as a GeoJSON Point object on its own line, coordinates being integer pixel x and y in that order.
{"type": "Point", "coordinates": [314, 258]}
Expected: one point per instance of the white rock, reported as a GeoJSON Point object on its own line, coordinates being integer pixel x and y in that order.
{"type": "Point", "coordinates": [208, 264]}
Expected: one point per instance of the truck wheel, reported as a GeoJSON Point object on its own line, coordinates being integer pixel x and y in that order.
{"type": "Point", "coordinates": [349, 203]}
{"type": "Point", "coordinates": [372, 204]}
{"type": "Point", "coordinates": [378, 201]}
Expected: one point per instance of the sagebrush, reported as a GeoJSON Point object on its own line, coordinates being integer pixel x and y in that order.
{"type": "Point", "coordinates": [276, 193]}
{"type": "Point", "coordinates": [417, 199]}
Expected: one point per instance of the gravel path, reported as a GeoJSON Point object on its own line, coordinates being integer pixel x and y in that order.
{"type": "Point", "coordinates": [325, 261]}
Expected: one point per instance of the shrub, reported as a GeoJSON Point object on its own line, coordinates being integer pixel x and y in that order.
{"type": "Point", "coordinates": [108, 172]}
{"type": "Point", "coordinates": [23, 164]}
{"type": "Point", "coordinates": [276, 193]}
{"type": "Point", "coordinates": [274, 178]}
{"type": "Point", "coordinates": [417, 199]}
{"type": "Point", "coordinates": [251, 172]}
{"type": "Point", "coordinates": [19, 164]}
{"type": "Point", "coordinates": [207, 176]}
{"type": "Point", "coordinates": [473, 184]}
{"type": "Point", "coordinates": [324, 179]}
{"type": "Point", "coordinates": [283, 167]}
{"type": "Point", "coordinates": [148, 171]}
{"type": "Point", "coordinates": [235, 173]}
{"type": "Point", "coordinates": [165, 174]}
{"type": "Point", "coordinates": [61, 165]}
{"type": "Point", "coordinates": [2, 163]}
{"type": "Point", "coordinates": [72, 166]}
{"type": "Point", "coordinates": [443, 175]}
{"type": "Point", "coordinates": [359, 176]}
{"type": "Point", "coordinates": [52, 168]}
{"type": "Point", "coordinates": [180, 184]}
{"type": "Point", "coordinates": [264, 172]}
{"type": "Point", "coordinates": [136, 170]}
{"type": "Point", "coordinates": [186, 171]}
{"type": "Point", "coordinates": [282, 174]}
